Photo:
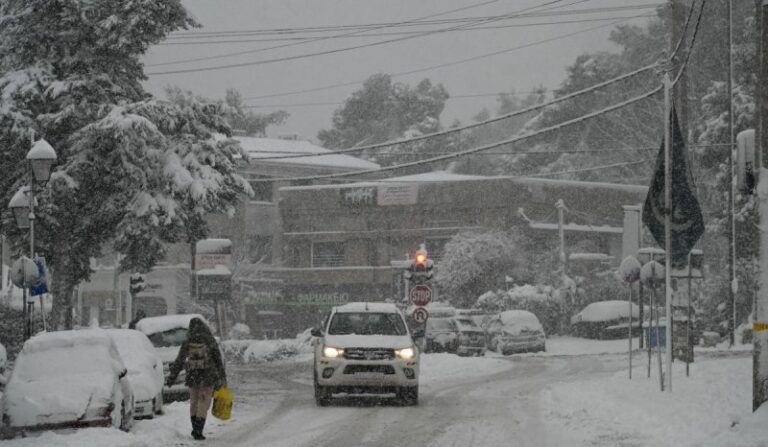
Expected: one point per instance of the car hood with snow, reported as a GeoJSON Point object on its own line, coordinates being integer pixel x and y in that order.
{"type": "Point", "coordinates": [369, 341]}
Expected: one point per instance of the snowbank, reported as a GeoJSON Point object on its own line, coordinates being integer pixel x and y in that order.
{"type": "Point", "coordinates": [606, 311]}
{"type": "Point", "coordinates": [707, 404]}
{"type": "Point", "coordinates": [264, 350]}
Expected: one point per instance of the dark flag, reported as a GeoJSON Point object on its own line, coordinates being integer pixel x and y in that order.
{"type": "Point", "coordinates": [686, 223]}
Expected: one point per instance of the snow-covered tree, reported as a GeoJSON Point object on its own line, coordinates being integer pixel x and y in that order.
{"type": "Point", "coordinates": [132, 171]}
{"type": "Point", "coordinates": [474, 262]}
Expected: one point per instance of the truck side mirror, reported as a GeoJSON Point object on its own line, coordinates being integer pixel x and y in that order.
{"type": "Point", "coordinates": [316, 332]}
{"type": "Point", "coordinates": [418, 333]}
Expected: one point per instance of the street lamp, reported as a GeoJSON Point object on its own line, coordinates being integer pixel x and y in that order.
{"type": "Point", "coordinates": [40, 159]}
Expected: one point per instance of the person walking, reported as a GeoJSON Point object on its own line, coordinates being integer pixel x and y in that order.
{"type": "Point", "coordinates": [201, 358]}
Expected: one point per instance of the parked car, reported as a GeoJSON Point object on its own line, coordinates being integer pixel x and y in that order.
{"type": "Point", "coordinates": [145, 371]}
{"type": "Point", "coordinates": [167, 333]}
{"type": "Point", "coordinates": [515, 331]}
{"type": "Point", "coordinates": [366, 347]}
{"type": "Point", "coordinates": [480, 317]}
{"type": "Point", "coordinates": [606, 320]}
{"type": "Point", "coordinates": [471, 337]}
{"type": "Point", "coordinates": [441, 335]}
{"type": "Point", "coordinates": [68, 379]}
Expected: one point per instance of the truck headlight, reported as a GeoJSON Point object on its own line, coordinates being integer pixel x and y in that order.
{"type": "Point", "coordinates": [331, 352]}
{"type": "Point", "coordinates": [405, 353]}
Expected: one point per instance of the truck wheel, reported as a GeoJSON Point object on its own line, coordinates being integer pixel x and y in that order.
{"type": "Point", "coordinates": [322, 394]}
{"type": "Point", "coordinates": [409, 395]}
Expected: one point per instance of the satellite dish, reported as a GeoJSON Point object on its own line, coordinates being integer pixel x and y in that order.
{"type": "Point", "coordinates": [24, 272]}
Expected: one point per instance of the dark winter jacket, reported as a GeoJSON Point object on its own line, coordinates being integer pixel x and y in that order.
{"type": "Point", "coordinates": [199, 355]}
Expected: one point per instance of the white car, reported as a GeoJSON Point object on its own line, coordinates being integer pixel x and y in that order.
{"type": "Point", "coordinates": [516, 331]}
{"type": "Point", "coordinates": [68, 379]}
{"type": "Point", "coordinates": [167, 333]}
{"type": "Point", "coordinates": [366, 348]}
{"type": "Point", "coordinates": [145, 371]}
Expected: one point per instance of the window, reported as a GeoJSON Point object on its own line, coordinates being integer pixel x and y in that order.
{"type": "Point", "coordinates": [327, 254]}
{"type": "Point", "coordinates": [366, 324]}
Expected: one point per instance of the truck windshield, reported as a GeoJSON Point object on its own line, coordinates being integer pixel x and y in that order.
{"type": "Point", "coordinates": [367, 324]}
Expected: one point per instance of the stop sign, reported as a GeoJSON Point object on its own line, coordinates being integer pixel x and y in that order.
{"type": "Point", "coordinates": [420, 295]}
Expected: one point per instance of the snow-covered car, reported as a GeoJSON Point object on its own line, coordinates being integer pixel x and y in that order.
{"type": "Point", "coordinates": [68, 379]}
{"type": "Point", "coordinates": [606, 320]}
{"type": "Point", "coordinates": [471, 337]}
{"type": "Point", "coordinates": [366, 348]}
{"type": "Point", "coordinates": [167, 333]}
{"type": "Point", "coordinates": [441, 335]}
{"type": "Point", "coordinates": [515, 331]}
{"type": "Point", "coordinates": [145, 371]}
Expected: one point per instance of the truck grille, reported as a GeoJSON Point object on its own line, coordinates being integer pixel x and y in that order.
{"type": "Point", "coordinates": [382, 369]}
{"type": "Point", "coordinates": [369, 354]}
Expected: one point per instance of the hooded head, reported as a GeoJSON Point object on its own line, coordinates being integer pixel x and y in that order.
{"type": "Point", "coordinates": [199, 331]}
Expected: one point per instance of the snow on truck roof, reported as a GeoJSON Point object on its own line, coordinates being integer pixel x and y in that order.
{"type": "Point", "coordinates": [153, 325]}
{"type": "Point", "coordinates": [367, 307]}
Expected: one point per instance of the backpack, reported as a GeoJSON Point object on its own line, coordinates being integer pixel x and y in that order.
{"type": "Point", "coordinates": [197, 357]}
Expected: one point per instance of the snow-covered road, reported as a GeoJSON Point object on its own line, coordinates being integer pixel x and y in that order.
{"type": "Point", "coordinates": [554, 399]}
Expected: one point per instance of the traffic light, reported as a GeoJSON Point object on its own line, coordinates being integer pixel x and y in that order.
{"type": "Point", "coordinates": [422, 268]}
{"type": "Point", "coordinates": [137, 284]}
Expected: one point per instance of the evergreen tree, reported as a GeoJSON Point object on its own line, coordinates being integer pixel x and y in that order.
{"type": "Point", "coordinates": [132, 171]}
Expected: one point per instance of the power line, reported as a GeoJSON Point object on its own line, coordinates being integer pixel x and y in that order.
{"type": "Point", "coordinates": [593, 168]}
{"type": "Point", "coordinates": [318, 39]}
{"type": "Point", "coordinates": [490, 120]}
{"type": "Point", "coordinates": [333, 51]}
{"type": "Point", "coordinates": [414, 22]}
{"type": "Point", "coordinates": [691, 44]}
{"type": "Point", "coordinates": [471, 150]}
{"type": "Point", "coordinates": [443, 65]}
{"type": "Point", "coordinates": [396, 33]}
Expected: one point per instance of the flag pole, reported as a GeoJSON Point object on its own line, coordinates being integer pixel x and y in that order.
{"type": "Point", "coordinates": [667, 226]}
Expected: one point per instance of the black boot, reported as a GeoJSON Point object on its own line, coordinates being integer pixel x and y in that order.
{"type": "Point", "coordinates": [197, 428]}
{"type": "Point", "coordinates": [200, 426]}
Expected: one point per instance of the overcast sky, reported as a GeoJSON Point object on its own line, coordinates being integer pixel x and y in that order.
{"type": "Point", "coordinates": [520, 69]}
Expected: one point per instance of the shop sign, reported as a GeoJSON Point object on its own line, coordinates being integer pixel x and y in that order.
{"type": "Point", "coordinates": [389, 195]}
{"type": "Point", "coordinates": [358, 196]}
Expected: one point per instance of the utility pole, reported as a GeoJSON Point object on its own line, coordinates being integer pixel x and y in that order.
{"type": "Point", "coordinates": [760, 328]}
{"type": "Point", "coordinates": [734, 284]}
{"type": "Point", "coordinates": [680, 94]}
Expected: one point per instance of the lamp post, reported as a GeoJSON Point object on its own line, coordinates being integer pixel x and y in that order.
{"type": "Point", "coordinates": [40, 159]}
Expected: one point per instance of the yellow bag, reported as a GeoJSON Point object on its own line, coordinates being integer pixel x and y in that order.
{"type": "Point", "coordinates": [222, 403]}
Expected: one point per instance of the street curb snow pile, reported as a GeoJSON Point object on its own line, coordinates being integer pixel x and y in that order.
{"type": "Point", "coordinates": [265, 350]}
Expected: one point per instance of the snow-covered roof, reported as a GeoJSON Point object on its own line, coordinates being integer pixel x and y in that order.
{"type": "Point", "coordinates": [606, 311]}
{"type": "Point", "coordinates": [589, 257]}
{"type": "Point", "coordinates": [264, 148]}
{"type": "Point", "coordinates": [435, 176]}
{"type": "Point", "coordinates": [367, 307]}
{"type": "Point", "coordinates": [206, 246]}
{"type": "Point", "coordinates": [577, 227]}
{"type": "Point", "coordinates": [518, 320]}
{"type": "Point", "coordinates": [153, 325]}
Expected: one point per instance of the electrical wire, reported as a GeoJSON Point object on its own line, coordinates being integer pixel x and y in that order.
{"type": "Point", "coordinates": [319, 39]}
{"type": "Point", "coordinates": [335, 50]}
{"type": "Point", "coordinates": [488, 121]}
{"type": "Point", "coordinates": [471, 150]}
{"type": "Point", "coordinates": [691, 44]}
{"type": "Point", "coordinates": [443, 65]}
{"type": "Point", "coordinates": [399, 33]}
{"type": "Point", "coordinates": [414, 22]}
